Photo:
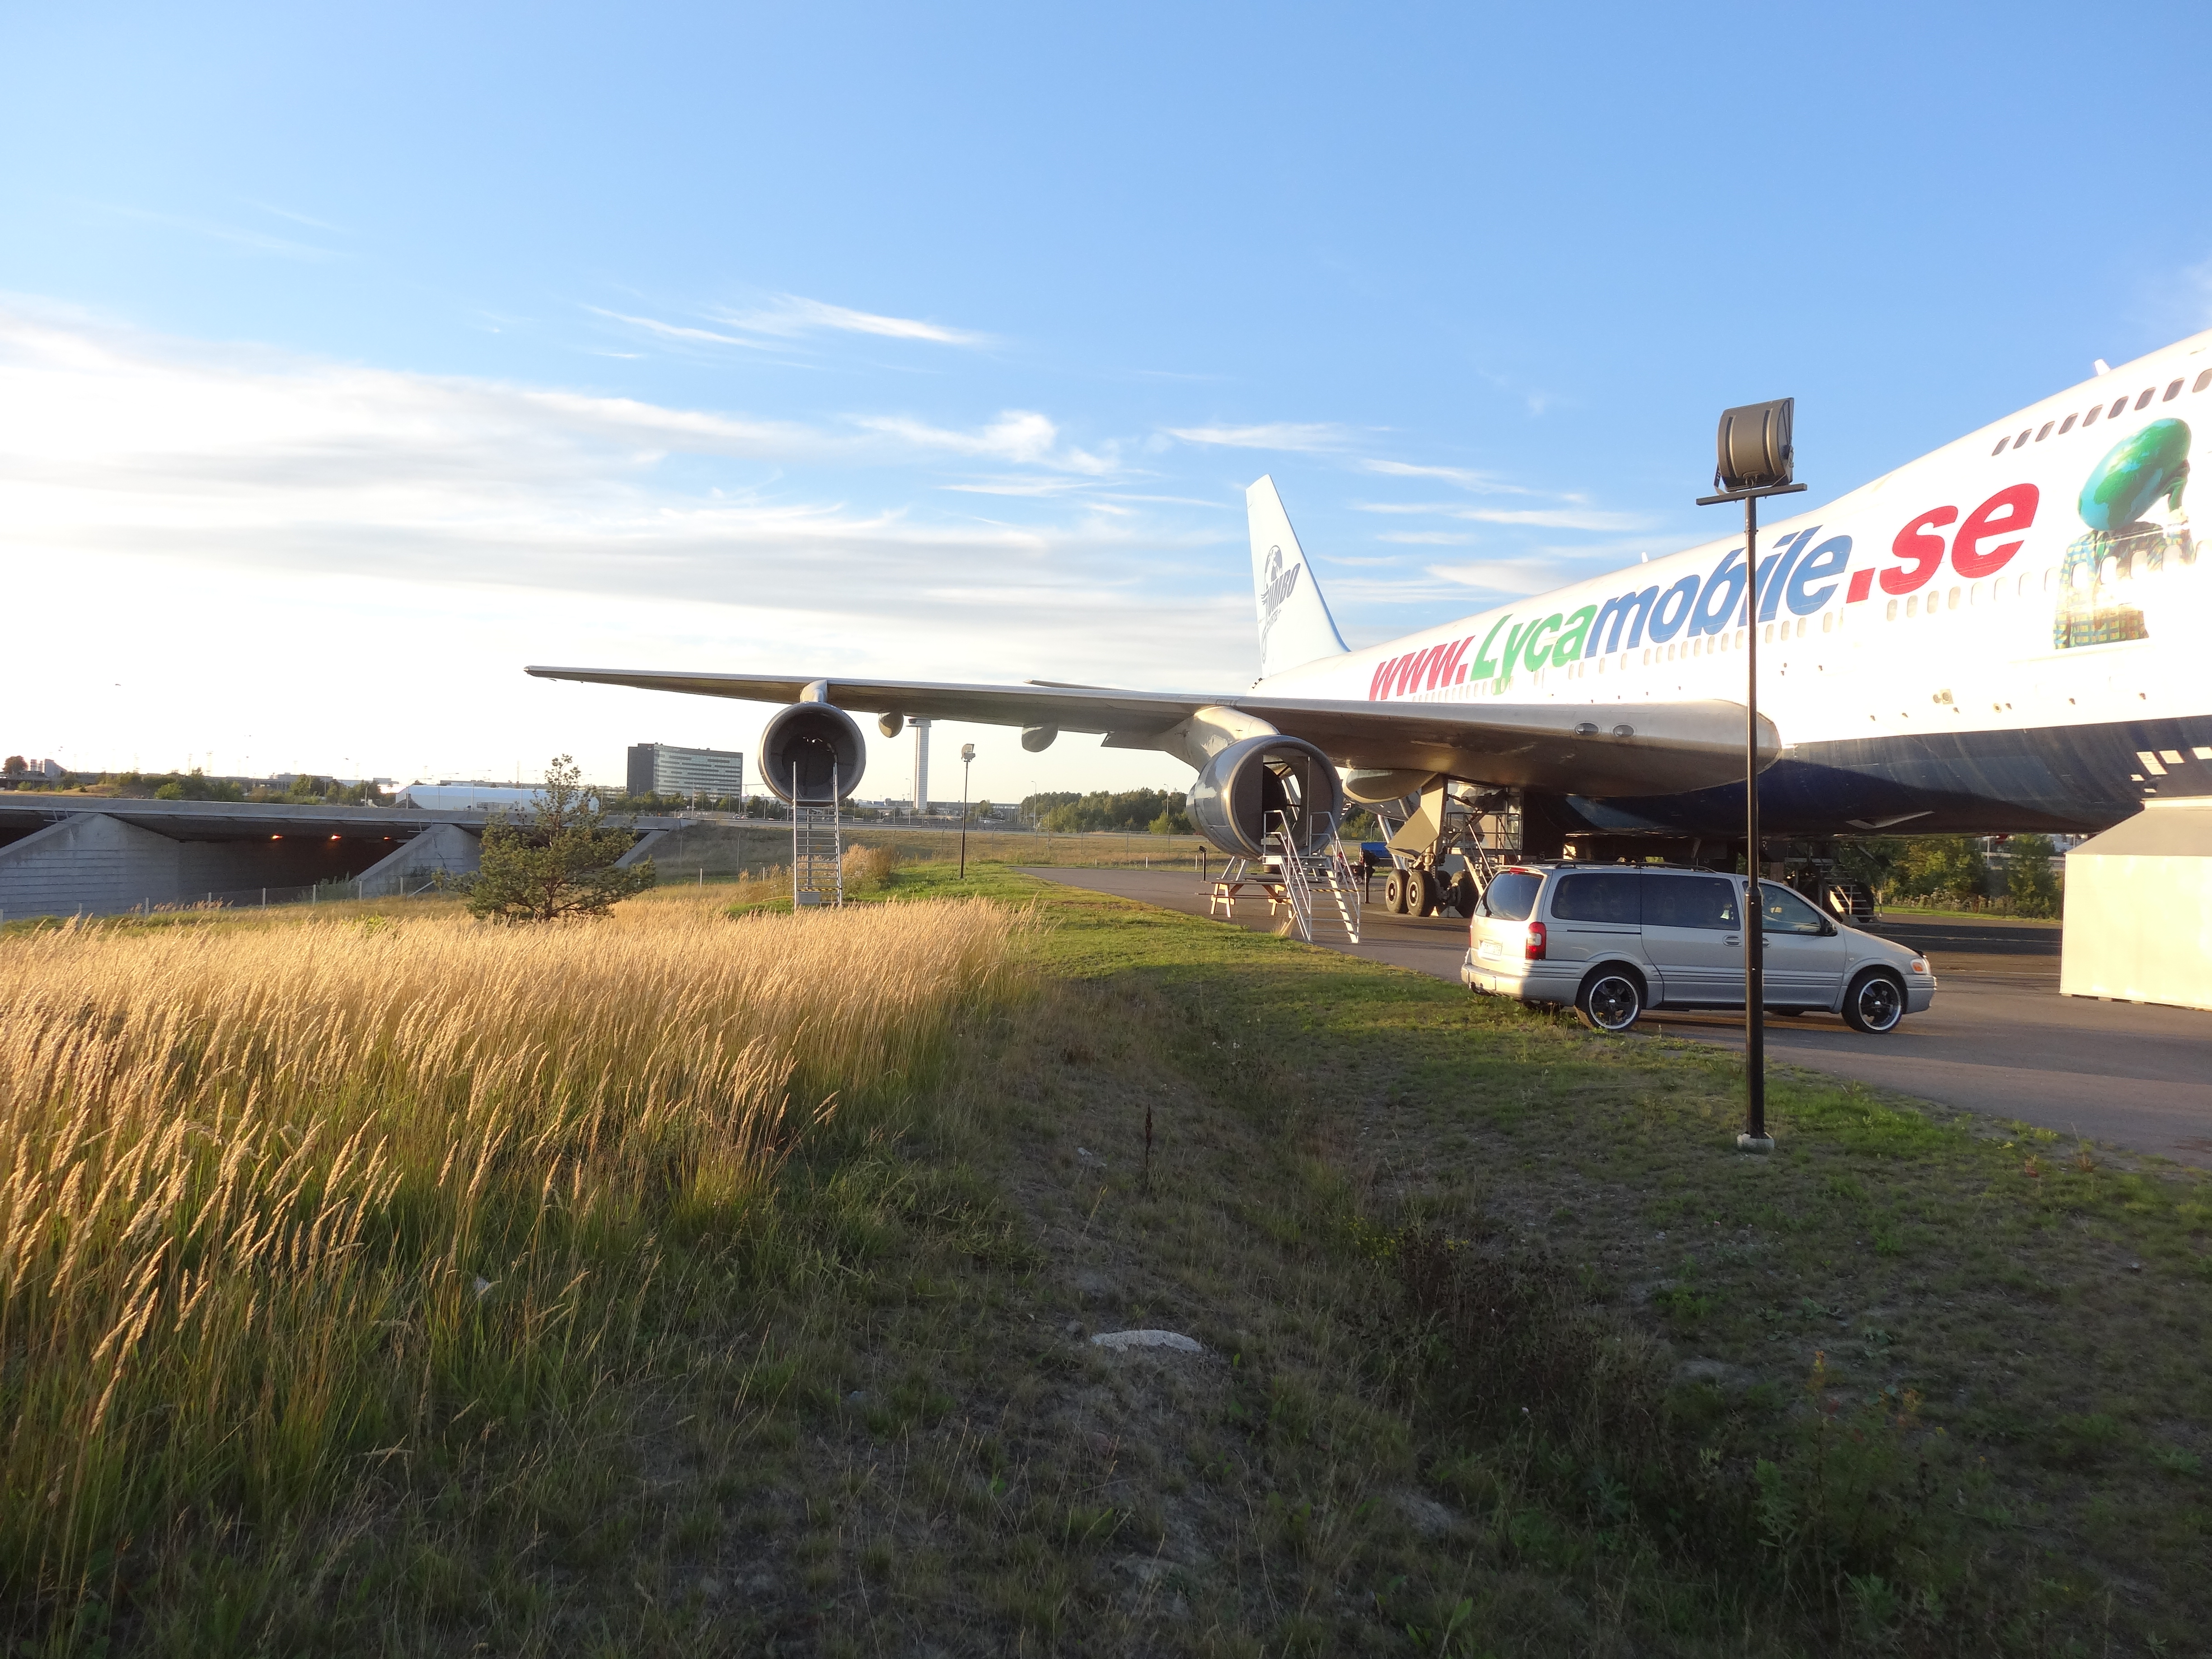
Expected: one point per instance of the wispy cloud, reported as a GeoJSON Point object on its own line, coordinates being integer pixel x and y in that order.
{"type": "Point", "coordinates": [253, 241]}
{"type": "Point", "coordinates": [789, 314]}
{"type": "Point", "coordinates": [1426, 537]}
{"type": "Point", "coordinates": [1024, 486]}
{"type": "Point", "coordinates": [296, 218]}
{"type": "Point", "coordinates": [1515, 577]}
{"type": "Point", "coordinates": [1309, 438]}
{"type": "Point", "coordinates": [1547, 518]}
{"type": "Point", "coordinates": [1554, 518]}
{"type": "Point", "coordinates": [1020, 435]}
{"type": "Point", "coordinates": [675, 330]}
{"type": "Point", "coordinates": [116, 445]}
{"type": "Point", "coordinates": [242, 488]}
{"type": "Point", "coordinates": [1466, 478]}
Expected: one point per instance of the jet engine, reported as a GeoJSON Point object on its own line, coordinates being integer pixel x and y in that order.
{"type": "Point", "coordinates": [813, 753]}
{"type": "Point", "coordinates": [1246, 794]}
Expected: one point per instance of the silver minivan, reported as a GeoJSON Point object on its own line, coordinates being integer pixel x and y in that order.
{"type": "Point", "coordinates": [1614, 940]}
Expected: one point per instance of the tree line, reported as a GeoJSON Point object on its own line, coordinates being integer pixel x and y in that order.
{"type": "Point", "coordinates": [1956, 869]}
{"type": "Point", "coordinates": [1130, 811]}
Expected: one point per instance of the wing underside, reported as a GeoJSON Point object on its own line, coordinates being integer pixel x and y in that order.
{"type": "Point", "coordinates": [1583, 749]}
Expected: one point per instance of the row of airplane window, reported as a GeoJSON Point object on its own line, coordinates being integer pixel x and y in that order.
{"type": "Point", "coordinates": [2119, 407]}
{"type": "Point", "coordinates": [1962, 596]}
{"type": "Point", "coordinates": [1977, 593]}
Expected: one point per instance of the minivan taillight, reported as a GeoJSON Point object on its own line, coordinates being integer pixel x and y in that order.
{"type": "Point", "coordinates": [1534, 949]}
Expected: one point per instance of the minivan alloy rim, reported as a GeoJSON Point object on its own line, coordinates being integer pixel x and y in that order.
{"type": "Point", "coordinates": [1879, 1003]}
{"type": "Point", "coordinates": [1614, 1002]}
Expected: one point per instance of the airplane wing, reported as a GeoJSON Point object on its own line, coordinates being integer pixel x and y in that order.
{"type": "Point", "coordinates": [1582, 749]}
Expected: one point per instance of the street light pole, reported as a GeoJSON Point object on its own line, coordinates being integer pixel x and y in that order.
{"type": "Point", "coordinates": [1756, 458]}
{"type": "Point", "coordinates": [967, 760]}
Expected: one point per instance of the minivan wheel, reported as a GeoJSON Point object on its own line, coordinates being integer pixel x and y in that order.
{"type": "Point", "coordinates": [1394, 892]}
{"type": "Point", "coordinates": [1610, 1000]}
{"type": "Point", "coordinates": [1874, 1003]}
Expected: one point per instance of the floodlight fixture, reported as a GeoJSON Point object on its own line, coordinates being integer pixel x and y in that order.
{"type": "Point", "coordinates": [1754, 448]}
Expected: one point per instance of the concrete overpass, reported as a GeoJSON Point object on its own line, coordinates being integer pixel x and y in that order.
{"type": "Point", "coordinates": [95, 855]}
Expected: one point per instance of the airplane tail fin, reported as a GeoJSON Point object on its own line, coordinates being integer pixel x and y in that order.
{"type": "Point", "coordinates": [1294, 626]}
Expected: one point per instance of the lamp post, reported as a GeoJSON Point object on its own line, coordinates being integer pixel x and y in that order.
{"type": "Point", "coordinates": [967, 760]}
{"type": "Point", "coordinates": [1756, 460]}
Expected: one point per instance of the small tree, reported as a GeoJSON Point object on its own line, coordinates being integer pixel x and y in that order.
{"type": "Point", "coordinates": [559, 863]}
{"type": "Point", "coordinates": [2029, 877]}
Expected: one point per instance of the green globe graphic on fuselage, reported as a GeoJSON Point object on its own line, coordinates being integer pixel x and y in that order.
{"type": "Point", "coordinates": [2097, 603]}
{"type": "Point", "coordinates": [2151, 463]}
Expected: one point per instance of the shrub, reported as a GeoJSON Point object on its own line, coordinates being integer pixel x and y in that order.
{"type": "Point", "coordinates": [561, 863]}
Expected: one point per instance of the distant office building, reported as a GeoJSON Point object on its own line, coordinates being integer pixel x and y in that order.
{"type": "Point", "coordinates": [661, 768]}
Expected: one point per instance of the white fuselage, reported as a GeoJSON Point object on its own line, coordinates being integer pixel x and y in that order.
{"type": "Point", "coordinates": [1967, 595]}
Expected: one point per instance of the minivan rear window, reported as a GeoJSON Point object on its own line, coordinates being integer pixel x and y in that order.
{"type": "Point", "coordinates": [1607, 895]}
{"type": "Point", "coordinates": [1689, 902]}
{"type": "Point", "coordinates": [1512, 895]}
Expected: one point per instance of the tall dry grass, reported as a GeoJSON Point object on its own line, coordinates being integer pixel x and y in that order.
{"type": "Point", "coordinates": [277, 1203]}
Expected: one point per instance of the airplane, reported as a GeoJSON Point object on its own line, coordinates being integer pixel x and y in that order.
{"type": "Point", "coordinates": [1989, 640]}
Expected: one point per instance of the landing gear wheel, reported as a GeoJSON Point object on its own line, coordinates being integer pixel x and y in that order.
{"type": "Point", "coordinates": [1394, 892]}
{"type": "Point", "coordinates": [1610, 1000]}
{"type": "Point", "coordinates": [1420, 893]}
{"type": "Point", "coordinates": [1874, 1003]}
{"type": "Point", "coordinates": [1462, 894]}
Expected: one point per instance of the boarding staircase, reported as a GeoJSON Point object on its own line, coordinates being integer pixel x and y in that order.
{"type": "Point", "coordinates": [817, 851]}
{"type": "Point", "coordinates": [1319, 886]}
{"type": "Point", "coordinates": [1850, 901]}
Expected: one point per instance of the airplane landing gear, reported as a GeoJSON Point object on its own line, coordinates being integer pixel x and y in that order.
{"type": "Point", "coordinates": [1464, 893]}
{"type": "Point", "coordinates": [1420, 892]}
{"type": "Point", "coordinates": [1394, 892]}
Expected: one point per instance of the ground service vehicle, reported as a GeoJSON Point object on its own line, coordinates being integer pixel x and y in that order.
{"type": "Point", "coordinates": [1613, 940]}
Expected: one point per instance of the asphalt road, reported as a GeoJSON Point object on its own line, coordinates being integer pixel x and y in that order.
{"type": "Point", "coordinates": [2000, 1039]}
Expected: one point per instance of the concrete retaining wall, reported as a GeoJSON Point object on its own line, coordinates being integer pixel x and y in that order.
{"type": "Point", "coordinates": [91, 862]}
{"type": "Point", "coordinates": [444, 848]}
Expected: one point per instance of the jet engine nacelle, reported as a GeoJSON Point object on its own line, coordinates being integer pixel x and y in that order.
{"type": "Point", "coordinates": [811, 753]}
{"type": "Point", "coordinates": [1239, 793]}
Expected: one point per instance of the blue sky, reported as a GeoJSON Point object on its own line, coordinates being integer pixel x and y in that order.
{"type": "Point", "coordinates": [353, 358]}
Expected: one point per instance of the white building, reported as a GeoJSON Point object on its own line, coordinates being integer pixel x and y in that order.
{"type": "Point", "coordinates": [455, 794]}
{"type": "Point", "coordinates": [662, 769]}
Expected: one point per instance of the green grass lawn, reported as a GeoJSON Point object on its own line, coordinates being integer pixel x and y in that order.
{"type": "Point", "coordinates": [1508, 1351]}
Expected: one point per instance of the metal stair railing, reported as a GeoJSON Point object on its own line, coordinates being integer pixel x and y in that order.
{"type": "Point", "coordinates": [1296, 888]}
{"type": "Point", "coordinates": [1303, 871]}
{"type": "Point", "coordinates": [817, 876]}
{"type": "Point", "coordinates": [1344, 884]}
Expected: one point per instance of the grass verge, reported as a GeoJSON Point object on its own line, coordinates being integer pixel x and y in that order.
{"type": "Point", "coordinates": [1507, 1351]}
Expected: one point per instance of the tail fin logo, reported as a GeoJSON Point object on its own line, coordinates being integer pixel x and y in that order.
{"type": "Point", "coordinates": [1280, 584]}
